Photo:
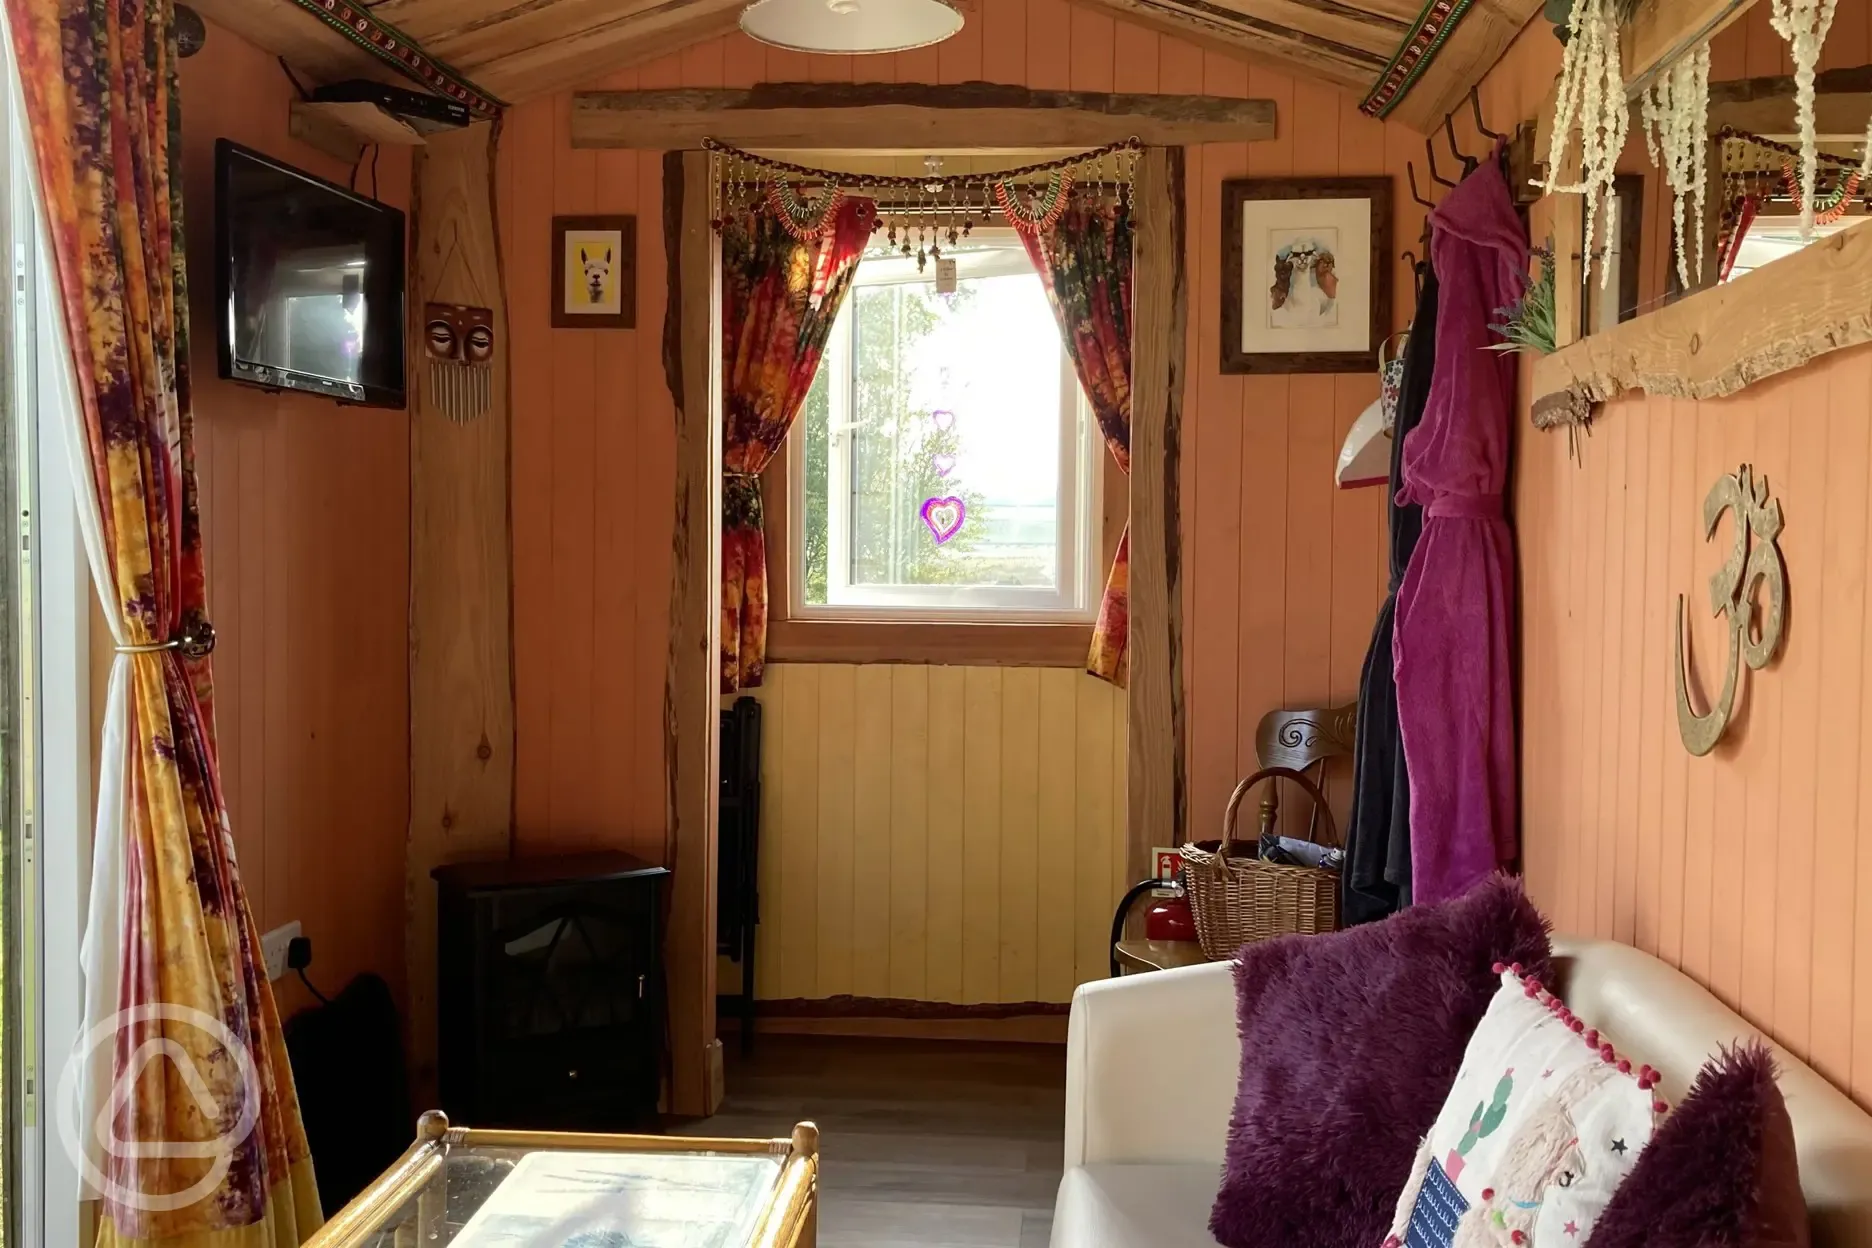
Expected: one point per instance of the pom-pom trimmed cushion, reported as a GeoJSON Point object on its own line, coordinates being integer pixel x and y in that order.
{"type": "Point", "coordinates": [1350, 1042]}
{"type": "Point", "coordinates": [1721, 1170]}
{"type": "Point", "coordinates": [1544, 1123]}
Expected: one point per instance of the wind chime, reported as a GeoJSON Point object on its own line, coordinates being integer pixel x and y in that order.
{"type": "Point", "coordinates": [919, 216]}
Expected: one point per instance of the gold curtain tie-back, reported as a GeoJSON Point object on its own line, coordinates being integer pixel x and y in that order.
{"type": "Point", "coordinates": [740, 476]}
{"type": "Point", "coordinates": [196, 640]}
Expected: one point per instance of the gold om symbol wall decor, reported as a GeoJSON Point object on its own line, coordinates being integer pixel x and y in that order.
{"type": "Point", "coordinates": [1754, 570]}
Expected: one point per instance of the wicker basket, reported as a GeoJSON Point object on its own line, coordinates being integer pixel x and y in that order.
{"type": "Point", "coordinates": [1237, 901]}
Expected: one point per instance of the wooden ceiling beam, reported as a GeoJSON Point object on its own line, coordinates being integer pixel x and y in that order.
{"type": "Point", "coordinates": [309, 45]}
{"type": "Point", "coordinates": [1660, 31]}
{"type": "Point", "coordinates": [1468, 53]}
{"type": "Point", "coordinates": [1242, 35]}
{"type": "Point", "coordinates": [641, 36]}
{"type": "Point", "coordinates": [437, 19]}
{"type": "Point", "coordinates": [560, 23]}
{"type": "Point", "coordinates": [795, 115]}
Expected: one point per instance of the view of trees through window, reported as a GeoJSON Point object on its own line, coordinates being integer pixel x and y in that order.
{"type": "Point", "coordinates": [945, 397]}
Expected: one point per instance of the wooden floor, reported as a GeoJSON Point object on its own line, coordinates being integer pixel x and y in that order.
{"type": "Point", "coordinates": [925, 1144]}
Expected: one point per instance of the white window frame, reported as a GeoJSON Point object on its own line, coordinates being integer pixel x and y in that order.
{"type": "Point", "coordinates": [52, 883]}
{"type": "Point", "coordinates": [1074, 599]}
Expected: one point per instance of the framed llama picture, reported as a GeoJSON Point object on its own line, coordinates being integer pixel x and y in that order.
{"type": "Point", "coordinates": [594, 283]}
{"type": "Point", "coordinates": [1305, 277]}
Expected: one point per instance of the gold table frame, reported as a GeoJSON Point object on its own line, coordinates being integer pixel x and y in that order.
{"type": "Point", "coordinates": [789, 1220]}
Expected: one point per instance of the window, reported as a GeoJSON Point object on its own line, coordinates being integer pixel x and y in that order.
{"type": "Point", "coordinates": [950, 467]}
{"type": "Point", "coordinates": [45, 719]}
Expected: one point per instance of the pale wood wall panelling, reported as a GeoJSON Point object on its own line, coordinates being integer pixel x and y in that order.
{"type": "Point", "coordinates": [1282, 573]}
{"type": "Point", "coordinates": [461, 578]}
{"type": "Point", "coordinates": [938, 833]}
{"type": "Point", "coordinates": [305, 516]}
{"type": "Point", "coordinates": [1751, 868]}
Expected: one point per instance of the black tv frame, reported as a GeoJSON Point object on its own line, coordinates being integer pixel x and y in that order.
{"type": "Point", "coordinates": [274, 379]}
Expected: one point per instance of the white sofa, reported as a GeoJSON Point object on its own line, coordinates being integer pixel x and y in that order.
{"type": "Point", "coordinates": [1150, 1079]}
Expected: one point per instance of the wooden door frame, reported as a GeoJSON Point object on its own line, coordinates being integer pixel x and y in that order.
{"type": "Point", "coordinates": [692, 692]}
{"type": "Point", "coordinates": [1154, 715]}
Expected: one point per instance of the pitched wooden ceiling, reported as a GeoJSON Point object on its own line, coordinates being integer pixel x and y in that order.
{"type": "Point", "coordinates": [517, 49]}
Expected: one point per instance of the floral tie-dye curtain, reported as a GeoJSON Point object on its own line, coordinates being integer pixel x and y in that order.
{"type": "Point", "coordinates": [1085, 262]}
{"type": "Point", "coordinates": [189, 1129]}
{"type": "Point", "coordinates": [780, 296]}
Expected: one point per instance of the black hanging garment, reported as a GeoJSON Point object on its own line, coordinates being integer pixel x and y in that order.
{"type": "Point", "coordinates": [1377, 878]}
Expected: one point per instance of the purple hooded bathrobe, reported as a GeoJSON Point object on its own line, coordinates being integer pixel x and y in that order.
{"type": "Point", "coordinates": [1455, 607]}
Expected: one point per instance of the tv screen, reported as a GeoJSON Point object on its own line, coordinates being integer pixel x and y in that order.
{"type": "Point", "coordinates": [310, 281]}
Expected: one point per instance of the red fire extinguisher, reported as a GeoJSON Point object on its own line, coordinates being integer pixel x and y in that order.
{"type": "Point", "coordinates": [1169, 918]}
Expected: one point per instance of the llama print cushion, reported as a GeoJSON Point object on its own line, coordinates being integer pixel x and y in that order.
{"type": "Point", "coordinates": [1544, 1122]}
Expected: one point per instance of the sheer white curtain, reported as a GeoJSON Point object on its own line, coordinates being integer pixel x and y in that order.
{"type": "Point", "coordinates": [84, 1073]}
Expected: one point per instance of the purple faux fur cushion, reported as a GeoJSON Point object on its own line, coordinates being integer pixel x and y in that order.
{"type": "Point", "coordinates": [1721, 1170]}
{"type": "Point", "coordinates": [1350, 1043]}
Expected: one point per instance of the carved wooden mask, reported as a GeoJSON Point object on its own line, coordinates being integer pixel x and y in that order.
{"type": "Point", "coordinates": [459, 342]}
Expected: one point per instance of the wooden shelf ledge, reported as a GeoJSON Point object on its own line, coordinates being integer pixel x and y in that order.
{"type": "Point", "coordinates": [1721, 340]}
{"type": "Point", "coordinates": [345, 130]}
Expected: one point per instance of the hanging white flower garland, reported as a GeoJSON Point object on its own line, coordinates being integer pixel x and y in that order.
{"type": "Point", "coordinates": [1804, 24]}
{"type": "Point", "coordinates": [1676, 127]}
{"type": "Point", "coordinates": [1592, 97]}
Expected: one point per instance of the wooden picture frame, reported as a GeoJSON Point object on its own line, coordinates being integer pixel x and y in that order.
{"type": "Point", "coordinates": [594, 289]}
{"type": "Point", "coordinates": [1337, 330]}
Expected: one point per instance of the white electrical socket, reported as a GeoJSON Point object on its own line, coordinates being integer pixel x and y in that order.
{"type": "Point", "coordinates": [273, 947]}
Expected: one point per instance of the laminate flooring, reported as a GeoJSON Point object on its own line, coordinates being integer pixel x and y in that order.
{"type": "Point", "coordinates": [924, 1144]}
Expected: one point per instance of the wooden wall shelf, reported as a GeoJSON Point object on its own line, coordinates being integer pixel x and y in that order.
{"type": "Point", "coordinates": [1718, 341]}
{"type": "Point", "coordinates": [345, 130]}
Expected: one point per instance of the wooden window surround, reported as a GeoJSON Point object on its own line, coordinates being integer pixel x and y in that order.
{"type": "Point", "coordinates": [794, 640]}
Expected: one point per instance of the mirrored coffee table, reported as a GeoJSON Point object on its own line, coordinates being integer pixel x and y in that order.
{"type": "Point", "coordinates": [459, 1187]}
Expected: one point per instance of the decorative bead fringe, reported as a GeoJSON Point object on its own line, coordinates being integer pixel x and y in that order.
{"type": "Point", "coordinates": [1647, 1078]}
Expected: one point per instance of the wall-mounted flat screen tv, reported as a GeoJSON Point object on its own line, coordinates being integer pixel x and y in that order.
{"type": "Point", "coordinates": [310, 282]}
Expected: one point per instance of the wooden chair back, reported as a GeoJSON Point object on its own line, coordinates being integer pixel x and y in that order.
{"type": "Point", "coordinates": [1303, 739]}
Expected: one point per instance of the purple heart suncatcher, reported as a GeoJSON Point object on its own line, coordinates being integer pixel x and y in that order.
{"type": "Point", "coordinates": [944, 516]}
{"type": "Point", "coordinates": [944, 463]}
{"type": "Point", "coordinates": [944, 418]}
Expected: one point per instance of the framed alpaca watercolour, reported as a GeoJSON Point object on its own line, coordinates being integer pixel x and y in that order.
{"type": "Point", "coordinates": [594, 268]}
{"type": "Point", "coordinates": [1306, 283]}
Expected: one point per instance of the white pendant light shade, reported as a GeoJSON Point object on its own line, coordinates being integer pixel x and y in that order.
{"type": "Point", "coordinates": [850, 25]}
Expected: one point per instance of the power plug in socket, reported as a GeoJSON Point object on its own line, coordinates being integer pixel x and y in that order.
{"type": "Point", "coordinates": [273, 947]}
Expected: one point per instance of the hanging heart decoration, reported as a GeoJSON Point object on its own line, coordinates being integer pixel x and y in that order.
{"type": "Point", "coordinates": [944, 463]}
{"type": "Point", "coordinates": [944, 418]}
{"type": "Point", "coordinates": [944, 516]}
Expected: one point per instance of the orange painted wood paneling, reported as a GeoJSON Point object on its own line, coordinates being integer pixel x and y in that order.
{"type": "Point", "coordinates": [305, 516]}
{"type": "Point", "coordinates": [1282, 575]}
{"type": "Point", "coordinates": [1748, 867]}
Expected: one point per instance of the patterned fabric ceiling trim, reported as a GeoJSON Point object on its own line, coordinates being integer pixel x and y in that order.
{"type": "Point", "coordinates": [1425, 39]}
{"type": "Point", "coordinates": [389, 44]}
